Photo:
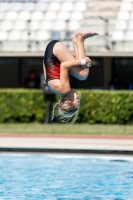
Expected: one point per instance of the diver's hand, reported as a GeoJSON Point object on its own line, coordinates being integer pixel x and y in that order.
{"type": "Point", "coordinates": [86, 62]}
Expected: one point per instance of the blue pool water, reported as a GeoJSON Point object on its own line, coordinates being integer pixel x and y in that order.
{"type": "Point", "coordinates": [60, 177]}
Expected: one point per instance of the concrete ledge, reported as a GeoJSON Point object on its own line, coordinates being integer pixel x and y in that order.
{"type": "Point", "coordinates": [67, 144]}
{"type": "Point", "coordinates": [93, 54]}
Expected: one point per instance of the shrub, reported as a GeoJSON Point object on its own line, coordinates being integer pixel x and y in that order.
{"type": "Point", "coordinates": [21, 105]}
{"type": "Point", "coordinates": [107, 107]}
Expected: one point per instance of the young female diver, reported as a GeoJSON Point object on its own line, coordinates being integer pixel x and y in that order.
{"type": "Point", "coordinates": [58, 63]}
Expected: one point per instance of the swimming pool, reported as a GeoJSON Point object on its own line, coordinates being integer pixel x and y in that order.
{"type": "Point", "coordinates": [60, 177]}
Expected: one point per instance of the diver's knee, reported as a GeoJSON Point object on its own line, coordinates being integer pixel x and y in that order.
{"type": "Point", "coordinates": [84, 76]}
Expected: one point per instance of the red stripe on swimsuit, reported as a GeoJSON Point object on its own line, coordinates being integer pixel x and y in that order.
{"type": "Point", "coordinates": [53, 71]}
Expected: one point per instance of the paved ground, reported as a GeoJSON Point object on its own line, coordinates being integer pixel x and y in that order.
{"type": "Point", "coordinates": [66, 143]}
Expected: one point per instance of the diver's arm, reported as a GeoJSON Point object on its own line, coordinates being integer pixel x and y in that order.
{"type": "Point", "coordinates": [65, 66]}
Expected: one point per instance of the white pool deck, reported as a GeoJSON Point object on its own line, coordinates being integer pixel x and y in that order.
{"type": "Point", "coordinates": [67, 143]}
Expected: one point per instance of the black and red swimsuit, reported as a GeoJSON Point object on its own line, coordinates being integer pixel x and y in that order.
{"type": "Point", "coordinates": [52, 64]}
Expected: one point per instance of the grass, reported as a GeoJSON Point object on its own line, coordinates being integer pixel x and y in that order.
{"type": "Point", "coordinates": [87, 129]}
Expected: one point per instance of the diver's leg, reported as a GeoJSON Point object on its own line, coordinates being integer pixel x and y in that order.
{"type": "Point", "coordinates": [86, 34]}
{"type": "Point", "coordinates": [78, 43]}
{"type": "Point", "coordinates": [80, 50]}
{"type": "Point", "coordinates": [75, 46]}
{"type": "Point", "coordinates": [63, 54]}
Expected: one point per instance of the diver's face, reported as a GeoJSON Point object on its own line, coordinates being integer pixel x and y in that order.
{"type": "Point", "coordinates": [73, 97]}
{"type": "Point", "coordinates": [76, 100]}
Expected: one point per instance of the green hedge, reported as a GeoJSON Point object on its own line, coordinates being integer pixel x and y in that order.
{"type": "Point", "coordinates": [108, 107]}
{"type": "Point", "coordinates": [21, 105]}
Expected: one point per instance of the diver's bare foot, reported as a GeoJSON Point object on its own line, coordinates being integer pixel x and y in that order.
{"type": "Point", "coordinates": [84, 35]}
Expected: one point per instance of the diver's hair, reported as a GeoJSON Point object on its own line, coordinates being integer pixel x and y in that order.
{"type": "Point", "coordinates": [66, 110]}
{"type": "Point", "coordinates": [66, 106]}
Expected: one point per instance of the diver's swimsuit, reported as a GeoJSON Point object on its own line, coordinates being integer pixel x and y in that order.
{"type": "Point", "coordinates": [52, 64]}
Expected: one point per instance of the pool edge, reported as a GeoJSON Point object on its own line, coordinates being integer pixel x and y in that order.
{"type": "Point", "coordinates": [76, 151]}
